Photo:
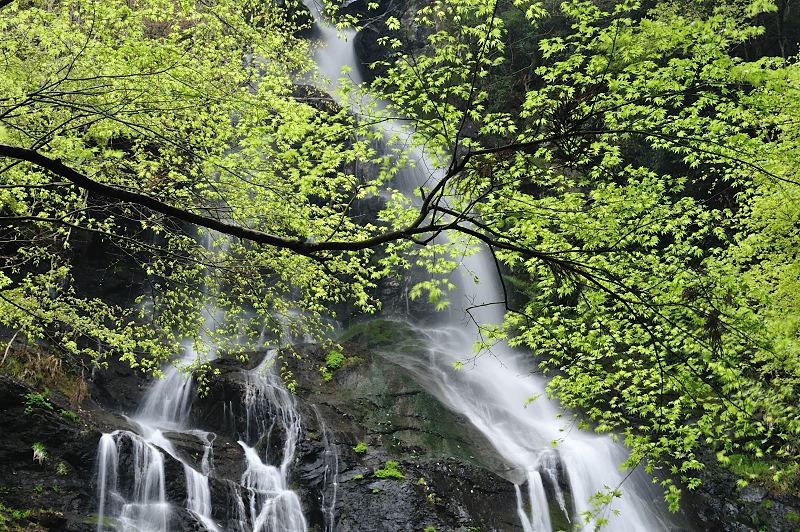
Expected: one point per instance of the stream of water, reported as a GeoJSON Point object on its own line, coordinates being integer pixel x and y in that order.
{"type": "Point", "coordinates": [545, 455]}
{"type": "Point", "coordinates": [131, 468]}
{"type": "Point", "coordinates": [555, 469]}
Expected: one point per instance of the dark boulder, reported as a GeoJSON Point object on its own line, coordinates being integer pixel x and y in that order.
{"type": "Point", "coordinates": [55, 488]}
{"type": "Point", "coordinates": [720, 504]}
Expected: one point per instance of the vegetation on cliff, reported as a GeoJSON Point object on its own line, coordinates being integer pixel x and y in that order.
{"type": "Point", "coordinates": [643, 191]}
{"type": "Point", "coordinates": [637, 177]}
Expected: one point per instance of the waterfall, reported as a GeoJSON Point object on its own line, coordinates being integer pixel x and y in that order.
{"type": "Point", "coordinates": [107, 459]}
{"type": "Point", "coordinates": [142, 505]}
{"type": "Point", "coordinates": [555, 469]}
{"type": "Point", "coordinates": [498, 391]}
{"type": "Point", "coordinates": [271, 504]}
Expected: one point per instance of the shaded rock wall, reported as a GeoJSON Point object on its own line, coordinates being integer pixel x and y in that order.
{"type": "Point", "coordinates": [58, 488]}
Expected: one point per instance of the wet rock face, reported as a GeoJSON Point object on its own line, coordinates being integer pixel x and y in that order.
{"type": "Point", "coordinates": [400, 459]}
{"type": "Point", "coordinates": [222, 409]}
{"type": "Point", "coordinates": [445, 482]}
{"type": "Point", "coordinates": [56, 487]}
{"type": "Point", "coordinates": [118, 387]}
{"type": "Point", "coordinates": [441, 479]}
{"type": "Point", "coordinates": [720, 505]}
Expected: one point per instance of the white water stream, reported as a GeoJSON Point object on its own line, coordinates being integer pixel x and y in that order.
{"type": "Point", "coordinates": [494, 390]}
{"type": "Point", "coordinates": [140, 503]}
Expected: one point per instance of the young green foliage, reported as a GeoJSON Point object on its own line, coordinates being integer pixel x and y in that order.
{"type": "Point", "coordinates": [190, 108]}
{"type": "Point", "coordinates": [390, 470]}
{"type": "Point", "coordinates": [643, 193]}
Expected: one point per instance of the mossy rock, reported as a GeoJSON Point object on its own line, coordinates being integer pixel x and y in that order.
{"type": "Point", "coordinates": [380, 334]}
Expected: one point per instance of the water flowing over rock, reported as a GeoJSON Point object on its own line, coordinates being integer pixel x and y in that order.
{"type": "Point", "coordinates": [494, 393]}
{"type": "Point", "coordinates": [132, 466]}
{"type": "Point", "coordinates": [394, 439]}
{"type": "Point", "coordinates": [493, 396]}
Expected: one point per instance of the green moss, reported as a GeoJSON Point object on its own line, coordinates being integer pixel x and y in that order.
{"type": "Point", "coordinates": [37, 400]}
{"type": "Point", "coordinates": [327, 376]}
{"type": "Point", "coordinates": [390, 471]}
{"type": "Point", "coordinates": [358, 477]}
{"type": "Point", "coordinates": [334, 360]}
{"type": "Point", "coordinates": [360, 448]}
{"type": "Point", "coordinates": [108, 522]}
{"type": "Point", "coordinates": [69, 415]}
{"type": "Point", "coordinates": [764, 473]}
{"type": "Point", "coordinates": [376, 490]}
{"type": "Point", "coordinates": [14, 520]}
{"type": "Point", "coordinates": [378, 333]}
{"type": "Point", "coordinates": [11, 519]}
{"type": "Point", "coordinates": [747, 467]}
{"type": "Point", "coordinates": [433, 498]}
{"type": "Point", "coordinates": [430, 529]}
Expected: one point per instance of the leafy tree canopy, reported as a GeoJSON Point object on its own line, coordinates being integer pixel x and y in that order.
{"type": "Point", "coordinates": [643, 193]}
{"type": "Point", "coordinates": [639, 188]}
{"type": "Point", "coordinates": [126, 121]}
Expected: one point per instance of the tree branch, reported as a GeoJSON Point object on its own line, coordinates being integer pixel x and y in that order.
{"type": "Point", "coordinates": [302, 247]}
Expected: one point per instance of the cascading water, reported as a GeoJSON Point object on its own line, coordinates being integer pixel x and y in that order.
{"type": "Point", "coordinates": [556, 471]}
{"type": "Point", "coordinates": [133, 497]}
{"type": "Point", "coordinates": [140, 504]}
{"type": "Point", "coordinates": [271, 411]}
{"type": "Point", "coordinates": [143, 506]}
{"type": "Point", "coordinates": [561, 469]}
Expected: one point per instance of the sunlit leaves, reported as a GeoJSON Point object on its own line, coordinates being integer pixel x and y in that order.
{"type": "Point", "coordinates": [199, 108]}
{"type": "Point", "coordinates": [635, 194]}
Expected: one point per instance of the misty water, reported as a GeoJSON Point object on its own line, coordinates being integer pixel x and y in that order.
{"type": "Point", "coordinates": [498, 391]}
{"type": "Point", "coordinates": [556, 468]}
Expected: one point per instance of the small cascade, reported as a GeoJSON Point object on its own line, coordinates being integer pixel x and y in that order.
{"type": "Point", "coordinates": [198, 493]}
{"type": "Point", "coordinates": [107, 460]}
{"type": "Point", "coordinates": [271, 415]}
{"type": "Point", "coordinates": [166, 405]}
{"type": "Point", "coordinates": [271, 411]}
{"type": "Point", "coordinates": [198, 496]}
{"type": "Point", "coordinates": [549, 466]}
{"type": "Point", "coordinates": [142, 505]}
{"type": "Point", "coordinates": [169, 400]}
{"type": "Point", "coordinates": [272, 506]}
{"type": "Point", "coordinates": [331, 476]}
{"type": "Point", "coordinates": [539, 517]}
